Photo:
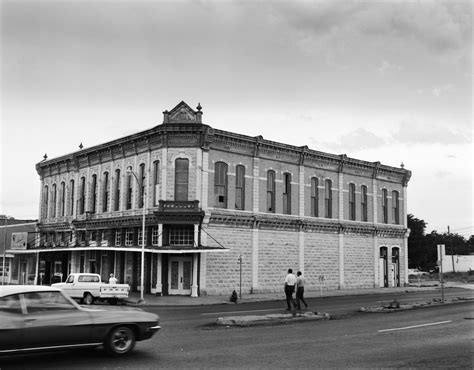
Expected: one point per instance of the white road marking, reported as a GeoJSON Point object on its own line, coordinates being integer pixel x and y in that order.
{"type": "Point", "coordinates": [232, 312]}
{"type": "Point", "coordinates": [416, 326]}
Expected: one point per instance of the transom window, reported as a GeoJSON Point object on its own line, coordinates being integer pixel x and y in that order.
{"type": "Point", "coordinates": [181, 235]}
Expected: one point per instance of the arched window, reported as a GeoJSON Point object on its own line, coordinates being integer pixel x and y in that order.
{"type": "Point", "coordinates": [271, 191]}
{"type": "Point", "coordinates": [71, 198]}
{"type": "Point", "coordinates": [220, 184]}
{"type": "Point", "coordinates": [117, 190]}
{"type": "Point", "coordinates": [181, 179]}
{"type": "Point", "coordinates": [352, 204]}
{"type": "Point", "coordinates": [45, 201]}
{"type": "Point", "coordinates": [314, 197]}
{"type": "Point", "coordinates": [62, 199]}
{"type": "Point", "coordinates": [287, 193]}
{"type": "Point", "coordinates": [82, 196]}
{"type": "Point", "coordinates": [395, 207]}
{"type": "Point", "coordinates": [384, 206]}
{"type": "Point", "coordinates": [363, 202]}
{"type": "Point", "coordinates": [156, 182]}
{"type": "Point", "coordinates": [141, 195]}
{"type": "Point", "coordinates": [105, 192]}
{"type": "Point", "coordinates": [239, 187]}
{"type": "Point", "coordinates": [54, 194]}
{"type": "Point", "coordinates": [94, 194]}
{"type": "Point", "coordinates": [328, 198]}
{"type": "Point", "coordinates": [128, 194]}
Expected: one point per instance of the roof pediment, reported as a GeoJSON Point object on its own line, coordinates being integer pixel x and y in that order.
{"type": "Point", "coordinates": [183, 113]}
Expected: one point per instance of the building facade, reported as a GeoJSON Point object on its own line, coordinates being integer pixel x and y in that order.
{"type": "Point", "coordinates": [218, 205]}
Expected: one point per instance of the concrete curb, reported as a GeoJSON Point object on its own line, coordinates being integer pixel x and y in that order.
{"type": "Point", "coordinates": [395, 306]}
{"type": "Point", "coordinates": [271, 319]}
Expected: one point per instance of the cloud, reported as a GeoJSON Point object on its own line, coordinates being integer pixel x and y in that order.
{"type": "Point", "coordinates": [386, 67]}
{"type": "Point", "coordinates": [338, 28]}
{"type": "Point", "coordinates": [353, 141]}
{"type": "Point", "coordinates": [441, 90]}
{"type": "Point", "coordinates": [413, 132]}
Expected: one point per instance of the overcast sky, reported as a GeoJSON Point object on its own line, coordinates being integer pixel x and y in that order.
{"type": "Point", "coordinates": [379, 81]}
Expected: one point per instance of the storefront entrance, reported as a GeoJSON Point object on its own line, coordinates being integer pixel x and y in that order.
{"type": "Point", "coordinates": [180, 275]}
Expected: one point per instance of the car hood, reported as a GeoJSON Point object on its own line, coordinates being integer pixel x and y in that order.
{"type": "Point", "coordinates": [59, 285]}
{"type": "Point", "coordinates": [122, 314]}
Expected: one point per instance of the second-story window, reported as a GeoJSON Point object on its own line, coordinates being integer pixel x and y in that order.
{"type": "Point", "coordinates": [105, 192]}
{"type": "Point", "coordinates": [140, 236]}
{"type": "Point", "coordinates": [54, 194]}
{"type": "Point", "coordinates": [82, 196]}
{"type": "Point", "coordinates": [117, 191]}
{"type": "Point", "coordinates": [129, 237]}
{"type": "Point", "coordinates": [45, 201]}
{"type": "Point", "coordinates": [314, 197]}
{"type": "Point", "coordinates": [154, 236]}
{"type": "Point", "coordinates": [128, 195]}
{"type": "Point", "coordinates": [71, 198]}
{"type": "Point", "coordinates": [141, 195]}
{"type": "Point", "coordinates": [395, 207]}
{"type": "Point", "coordinates": [220, 184]}
{"type": "Point", "coordinates": [239, 187]}
{"type": "Point", "coordinates": [363, 203]}
{"type": "Point", "coordinates": [181, 179]}
{"type": "Point", "coordinates": [62, 199]}
{"type": "Point", "coordinates": [118, 237]}
{"type": "Point", "coordinates": [287, 193]}
{"type": "Point", "coordinates": [328, 198]}
{"type": "Point", "coordinates": [94, 193]}
{"type": "Point", "coordinates": [352, 202]}
{"type": "Point", "coordinates": [271, 191]}
{"type": "Point", "coordinates": [384, 206]}
{"type": "Point", "coordinates": [156, 182]}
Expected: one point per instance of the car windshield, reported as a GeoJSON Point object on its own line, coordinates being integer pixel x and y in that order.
{"type": "Point", "coordinates": [47, 301]}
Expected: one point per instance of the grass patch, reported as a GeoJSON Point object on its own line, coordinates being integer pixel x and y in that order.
{"type": "Point", "coordinates": [460, 277]}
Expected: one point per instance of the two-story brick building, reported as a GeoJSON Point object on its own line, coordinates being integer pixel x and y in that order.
{"type": "Point", "coordinates": [211, 197]}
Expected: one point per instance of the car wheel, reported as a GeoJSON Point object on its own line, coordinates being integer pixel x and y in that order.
{"type": "Point", "coordinates": [120, 341]}
{"type": "Point", "coordinates": [113, 301]}
{"type": "Point", "coordinates": [88, 298]}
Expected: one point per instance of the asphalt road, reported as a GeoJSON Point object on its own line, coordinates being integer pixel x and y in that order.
{"type": "Point", "coordinates": [439, 336]}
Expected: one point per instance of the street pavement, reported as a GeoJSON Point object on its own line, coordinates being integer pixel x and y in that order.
{"type": "Point", "coordinates": [152, 300]}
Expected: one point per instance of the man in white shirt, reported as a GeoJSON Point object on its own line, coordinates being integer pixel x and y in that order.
{"type": "Point", "coordinates": [290, 282]}
{"type": "Point", "coordinates": [112, 279]}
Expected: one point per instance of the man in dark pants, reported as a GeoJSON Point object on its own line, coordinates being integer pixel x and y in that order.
{"type": "Point", "coordinates": [300, 290]}
{"type": "Point", "coordinates": [290, 282]}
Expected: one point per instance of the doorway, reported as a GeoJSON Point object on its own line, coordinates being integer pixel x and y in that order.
{"type": "Point", "coordinates": [180, 275]}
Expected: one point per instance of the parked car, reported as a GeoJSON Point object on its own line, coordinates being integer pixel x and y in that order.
{"type": "Point", "coordinates": [416, 272]}
{"type": "Point", "coordinates": [37, 318]}
{"type": "Point", "coordinates": [88, 288]}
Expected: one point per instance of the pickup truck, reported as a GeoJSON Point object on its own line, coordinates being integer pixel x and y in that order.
{"type": "Point", "coordinates": [89, 288]}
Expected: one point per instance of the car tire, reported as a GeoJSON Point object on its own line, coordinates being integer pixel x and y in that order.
{"type": "Point", "coordinates": [88, 299]}
{"type": "Point", "coordinates": [120, 341]}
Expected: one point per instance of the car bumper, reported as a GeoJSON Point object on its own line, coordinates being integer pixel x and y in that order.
{"type": "Point", "coordinates": [150, 331]}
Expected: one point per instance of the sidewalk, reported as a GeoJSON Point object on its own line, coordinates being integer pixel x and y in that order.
{"type": "Point", "coordinates": [152, 300]}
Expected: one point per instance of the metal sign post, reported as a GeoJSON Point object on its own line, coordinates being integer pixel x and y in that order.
{"type": "Point", "coordinates": [440, 264]}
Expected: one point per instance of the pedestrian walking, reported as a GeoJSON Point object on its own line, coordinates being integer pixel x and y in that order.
{"type": "Point", "coordinates": [290, 282]}
{"type": "Point", "coordinates": [300, 282]}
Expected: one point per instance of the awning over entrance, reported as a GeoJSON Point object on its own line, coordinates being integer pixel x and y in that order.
{"type": "Point", "coordinates": [174, 250]}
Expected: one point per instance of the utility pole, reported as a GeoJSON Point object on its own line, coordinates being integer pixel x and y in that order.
{"type": "Point", "coordinates": [452, 251]}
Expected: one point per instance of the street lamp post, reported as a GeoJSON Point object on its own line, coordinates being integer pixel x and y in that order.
{"type": "Point", "coordinates": [140, 184]}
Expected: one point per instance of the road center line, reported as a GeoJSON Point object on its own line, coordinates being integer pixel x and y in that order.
{"type": "Point", "coordinates": [416, 326]}
{"type": "Point", "coordinates": [232, 312]}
